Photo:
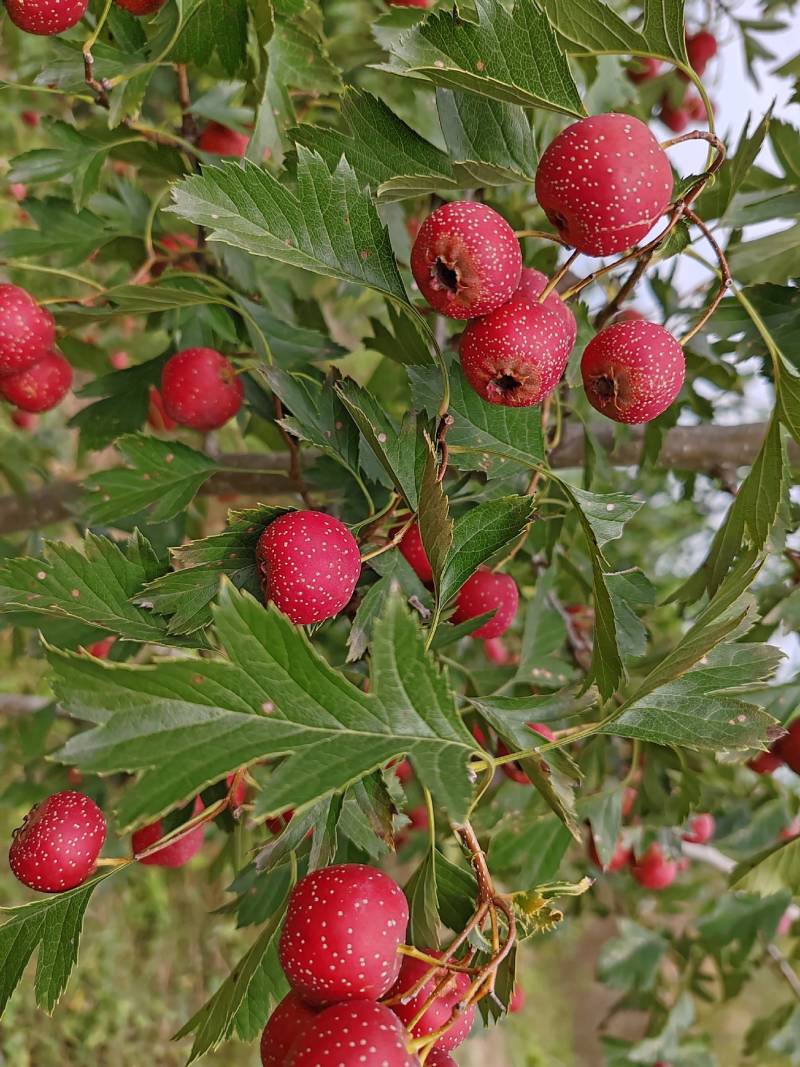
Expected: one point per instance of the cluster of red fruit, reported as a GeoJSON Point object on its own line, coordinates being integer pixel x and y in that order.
{"type": "Point", "coordinates": [603, 183]}
{"type": "Point", "coordinates": [679, 107]}
{"type": "Point", "coordinates": [356, 998]}
{"type": "Point", "coordinates": [33, 375]}
{"type": "Point", "coordinates": [654, 868]}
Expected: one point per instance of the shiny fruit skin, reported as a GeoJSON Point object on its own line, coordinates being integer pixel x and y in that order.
{"type": "Point", "coordinates": [40, 387]}
{"type": "Point", "coordinates": [653, 870]}
{"type": "Point", "coordinates": [485, 591]}
{"type": "Point", "coordinates": [787, 748]}
{"type": "Point", "coordinates": [359, 1033]}
{"type": "Point", "coordinates": [603, 183]}
{"type": "Point", "coordinates": [415, 555]}
{"type": "Point", "coordinates": [200, 389]}
{"type": "Point", "coordinates": [309, 564]}
{"type": "Point", "coordinates": [219, 140]}
{"type": "Point", "coordinates": [466, 260]}
{"type": "Point", "coordinates": [45, 18]}
{"type": "Point", "coordinates": [177, 853]}
{"type": "Point", "coordinates": [57, 846]}
{"type": "Point", "coordinates": [441, 1009]}
{"type": "Point", "coordinates": [27, 331]}
{"type": "Point", "coordinates": [286, 1024]}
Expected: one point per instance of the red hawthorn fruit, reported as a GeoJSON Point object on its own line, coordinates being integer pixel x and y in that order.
{"type": "Point", "coordinates": [514, 770]}
{"type": "Point", "coordinates": [517, 1002]}
{"type": "Point", "coordinates": [621, 858]}
{"type": "Point", "coordinates": [790, 832]}
{"type": "Point", "coordinates": [442, 1008]}
{"type": "Point", "coordinates": [787, 748]}
{"type": "Point", "coordinates": [627, 315]}
{"type": "Point", "coordinates": [140, 7]}
{"type": "Point", "coordinates": [531, 283]}
{"type": "Point", "coordinates": [415, 555]}
{"type": "Point", "coordinates": [632, 371]}
{"type": "Point", "coordinates": [119, 360]}
{"type": "Point", "coordinates": [340, 939]}
{"type": "Point", "coordinates": [356, 1034]}
{"type": "Point", "coordinates": [695, 106]}
{"type": "Point", "coordinates": [644, 69]}
{"type": "Point", "coordinates": [496, 652]}
{"type": "Point", "coordinates": [409, 3]}
{"type": "Point", "coordinates": [438, 1058]}
{"type": "Point", "coordinates": [27, 331]}
{"type": "Point", "coordinates": [25, 420]}
{"type": "Point", "coordinates": [18, 191]}
{"type": "Point", "coordinates": [276, 824]}
{"type": "Point", "coordinates": [403, 770]}
{"type": "Point", "coordinates": [653, 869]}
{"type": "Point", "coordinates": [30, 118]}
{"type": "Point", "coordinates": [219, 140]}
{"type": "Point", "coordinates": [178, 852]}
{"type": "Point", "coordinates": [466, 260]}
{"type": "Point", "coordinates": [40, 387]}
{"type": "Point", "coordinates": [156, 415]}
{"type": "Point", "coordinates": [200, 388]}
{"type": "Point", "coordinates": [581, 618]}
{"type": "Point", "coordinates": [45, 17]}
{"type": "Point", "coordinates": [700, 47]}
{"type": "Point", "coordinates": [418, 820]}
{"type": "Point", "coordinates": [516, 354]}
{"type": "Point", "coordinates": [286, 1024]}
{"type": "Point", "coordinates": [701, 829]}
{"type": "Point", "coordinates": [628, 800]}
{"type": "Point", "coordinates": [57, 846]}
{"type": "Point", "coordinates": [486, 591]}
{"type": "Point", "coordinates": [309, 564]}
{"type": "Point", "coordinates": [179, 247]}
{"type": "Point", "coordinates": [676, 119]}
{"type": "Point", "coordinates": [100, 649]}
{"type": "Point", "coordinates": [765, 763]}
{"type": "Point", "coordinates": [603, 183]}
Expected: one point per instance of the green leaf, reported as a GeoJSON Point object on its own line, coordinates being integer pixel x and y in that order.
{"type": "Point", "coordinates": [185, 595]}
{"type": "Point", "coordinates": [330, 226]}
{"type": "Point", "coordinates": [214, 27]}
{"type": "Point", "coordinates": [483, 534]}
{"type": "Point", "coordinates": [775, 258]}
{"type": "Point", "coordinates": [631, 961]}
{"type": "Point", "coordinates": [702, 709]}
{"type": "Point", "coordinates": [605, 513]}
{"type": "Point", "coordinates": [435, 524]}
{"type": "Point", "coordinates": [604, 812]}
{"type": "Point", "coordinates": [249, 993]}
{"type": "Point", "coordinates": [53, 925]}
{"type": "Point", "coordinates": [491, 142]}
{"type": "Point", "coordinates": [485, 437]}
{"type": "Point", "coordinates": [772, 871]}
{"type": "Point", "coordinates": [124, 407]}
{"type": "Point", "coordinates": [399, 450]}
{"type": "Point", "coordinates": [297, 54]}
{"type": "Point", "coordinates": [383, 151]}
{"type": "Point", "coordinates": [423, 904]}
{"type": "Point", "coordinates": [594, 27]}
{"type": "Point", "coordinates": [163, 476]}
{"type": "Point", "coordinates": [93, 587]}
{"type": "Point", "coordinates": [716, 198]}
{"type": "Point", "coordinates": [405, 342]}
{"type": "Point", "coordinates": [276, 696]}
{"type": "Point", "coordinates": [317, 415]}
{"type": "Point", "coordinates": [749, 521]}
{"type": "Point", "coordinates": [509, 56]}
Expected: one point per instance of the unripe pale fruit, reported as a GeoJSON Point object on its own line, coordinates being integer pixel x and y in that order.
{"type": "Point", "coordinates": [466, 260]}
{"type": "Point", "coordinates": [46, 17]}
{"type": "Point", "coordinates": [441, 1009]}
{"type": "Point", "coordinates": [309, 565]}
{"type": "Point", "coordinates": [486, 591]}
{"type": "Point", "coordinates": [787, 748]}
{"type": "Point", "coordinates": [140, 7]}
{"type": "Point", "coordinates": [40, 387]}
{"type": "Point", "coordinates": [516, 355]}
{"type": "Point", "coordinates": [219, 140]}
{"type": "Point", "coordinates": [27, 331]}
{"type": "Point", "coordinates": [358, 1034]}
{"type": "Point", "coordinates": [531, 283]}
{"type": "Point", "coordinates": [654, 870]}
{"type": "Point", "coordinates": [286, 1024]}
{"type": "Point", "coordinates": [632, 371]}
{"type": "Point", "coordinates": [603, 183]}
{"type": "Point", "coordinates": [175, 854]}
{"type": "Point", "coordinates": [200, 389]}
{"type": "Point", "coordinates": [57, 846]}
{"type": "Point", "coordinates": [701, 829]}
{"type": "Point", "coordinates": [343, 928]}
{"type": "Point", "coordinates": [415, 555]}
{"type": "Point", "coordinates": [645, 68]}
